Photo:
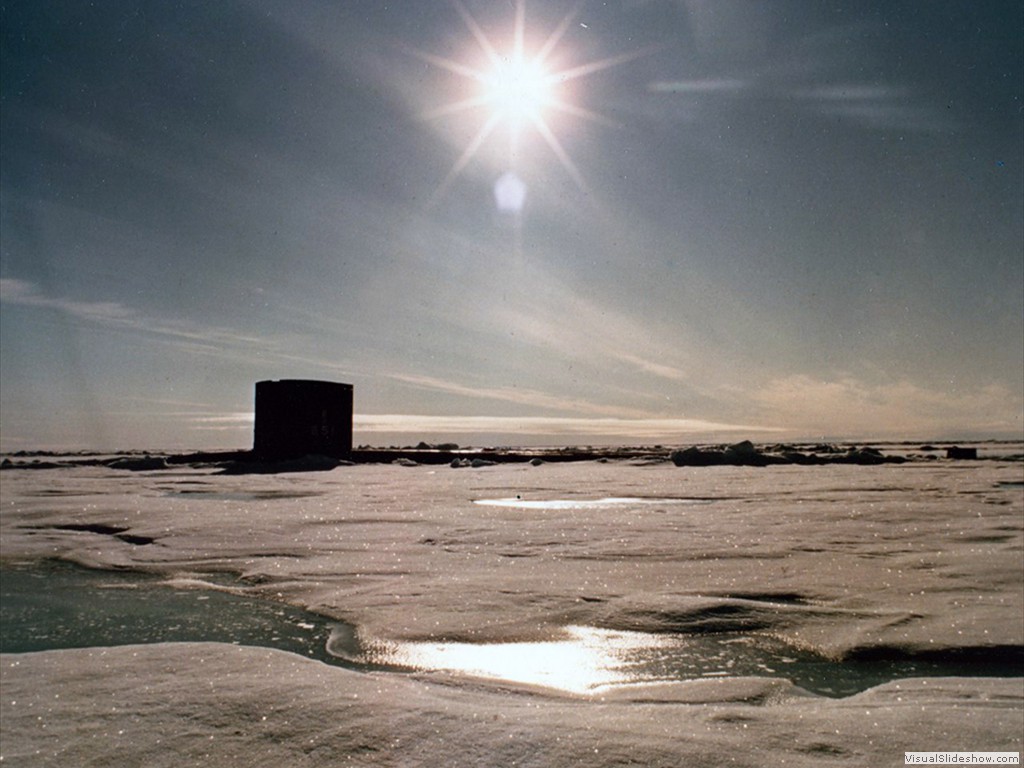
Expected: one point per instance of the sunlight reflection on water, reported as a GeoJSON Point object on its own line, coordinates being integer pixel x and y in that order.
{"type": "Point", "coordinates": [587, 659]}
{"type": "Point", "coordinates": [582, 660]}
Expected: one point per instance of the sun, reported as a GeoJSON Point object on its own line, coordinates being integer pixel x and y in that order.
{"type": "Point", "coordinates": [517, 90]}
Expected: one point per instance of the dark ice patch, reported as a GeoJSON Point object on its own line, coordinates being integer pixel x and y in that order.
{"type": "Point", "coordinates": [102, 529]}
{"type": "Point", "coordinates": [263, 495]}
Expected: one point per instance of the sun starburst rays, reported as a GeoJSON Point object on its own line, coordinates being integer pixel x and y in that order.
{"type": "Point", "coordinates": [519, 91]}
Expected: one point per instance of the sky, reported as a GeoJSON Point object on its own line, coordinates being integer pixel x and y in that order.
{"type": "Point", "coordinates": [632, 221]}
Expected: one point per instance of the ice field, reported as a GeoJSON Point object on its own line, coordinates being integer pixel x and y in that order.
{"type": "Point", "coordinates": [599, 613]}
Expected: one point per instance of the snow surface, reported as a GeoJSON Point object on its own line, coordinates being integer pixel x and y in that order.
{"type": "Point", "coordinates": [847, 561]}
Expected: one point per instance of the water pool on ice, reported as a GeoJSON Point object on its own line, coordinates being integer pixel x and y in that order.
{"type": "Point", "coordinates": [55, 605]}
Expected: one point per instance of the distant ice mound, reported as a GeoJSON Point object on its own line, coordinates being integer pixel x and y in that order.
{"type": "Point", "coordinates": [746, 454]}
{"type": "Point", "coordinates": [139, 463]}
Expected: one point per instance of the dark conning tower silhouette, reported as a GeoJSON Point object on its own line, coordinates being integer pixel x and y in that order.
{"type": "Point", "coordinates": [298, 417]}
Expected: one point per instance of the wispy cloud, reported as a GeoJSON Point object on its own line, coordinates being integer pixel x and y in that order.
{"type": "Point", "coordinates": [515, 395]}
{"type": "Point", "coordinates": [872, 105]}
{"type": "Point", "coordinates": [848, 405]}
{"type": "Point", "coordinates": [851, 93]}
{"type": "Point", "coordinates": [544, 425]}
{"type": "Point", "coordinates": [192, 337]}
{"type": "Point", "coordinates": [561, 426]}
{"type": "Point", "coordinates": [236, 419]}
{"type": "Point", "coordinates": [165, 401]}
{"type": "Point", "coordinates": [707, 86]}
{"type": "Point", "coordinates": [581, 338]}
{"type": "Point", "coordinates": [240, 423]}
{"type": "Point", "coordinates": [657, 369]}
{"type": "Point", "coordinates": [562, 320]}
{"type": "Point", "coordinates": [25, 293]}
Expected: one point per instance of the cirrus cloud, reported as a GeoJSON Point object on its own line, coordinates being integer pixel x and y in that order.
{"type": "Point", "coordinates": [851, 406]}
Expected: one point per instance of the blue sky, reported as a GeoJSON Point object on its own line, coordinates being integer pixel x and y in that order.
{"type": "Point", "coordinates": [765, 220]}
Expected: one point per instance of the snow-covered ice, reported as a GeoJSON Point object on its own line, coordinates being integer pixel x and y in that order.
{"type": "Point", "coordinates": [915, 561]}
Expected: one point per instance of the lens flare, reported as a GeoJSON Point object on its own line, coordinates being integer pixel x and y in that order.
{"type": "Point", "coordinates": [509, 193]}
